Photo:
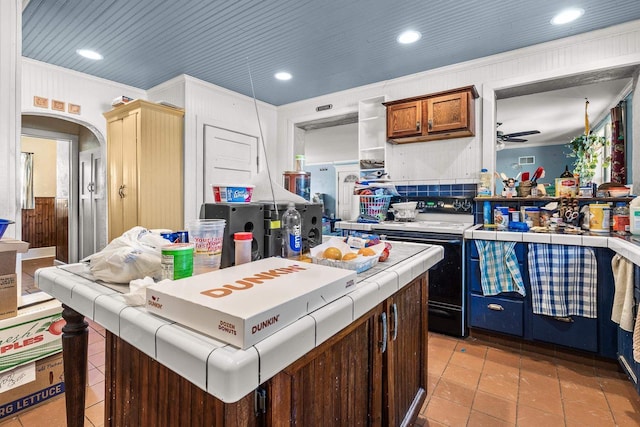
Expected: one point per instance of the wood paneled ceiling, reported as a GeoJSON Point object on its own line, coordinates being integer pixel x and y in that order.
{"type": "Point", "coordinates": [328, 45]}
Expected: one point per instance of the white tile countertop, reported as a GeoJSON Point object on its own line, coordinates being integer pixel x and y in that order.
{"type": "Point", "coordinates": [224, 371]}
{"type": "Point", "coordinates": [625, 245]}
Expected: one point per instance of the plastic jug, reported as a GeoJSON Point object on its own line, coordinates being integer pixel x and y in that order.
{"type": "Point", "coordinates": [634, 216]}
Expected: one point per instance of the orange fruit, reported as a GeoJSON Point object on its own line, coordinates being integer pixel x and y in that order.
{"type": "Point", "coordinates": [366, 251]}
{"type": "Point", "coordinates": [349, 256]}
{"type": "Point", "coordinates": [305, 258]}
{"type": "Point", "coordinates": [332, 253]}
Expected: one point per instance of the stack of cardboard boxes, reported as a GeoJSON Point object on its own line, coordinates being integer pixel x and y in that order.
{"type": "Point", "coordinates": [31, 368]}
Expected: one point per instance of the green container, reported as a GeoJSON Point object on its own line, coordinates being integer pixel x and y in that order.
{"type": "Point", "coordinates": [177, 261]}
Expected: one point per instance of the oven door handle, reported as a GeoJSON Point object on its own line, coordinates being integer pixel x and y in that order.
{"type": "Point", "coordinates": [424, 240]}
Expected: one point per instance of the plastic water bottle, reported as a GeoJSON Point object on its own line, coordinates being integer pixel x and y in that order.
{"type": "Point", "coordinates": [484, 186]}
{"type": "Point", "coordinates": [292, 225]}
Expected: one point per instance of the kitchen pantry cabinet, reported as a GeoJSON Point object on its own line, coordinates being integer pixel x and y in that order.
{"type": "Point", "coordinates": [373, 373]}
{"type": "Point", "coordinates": [372, 138]}
{"type": "Point", "coordinates": [442, 115]}
{"type": "Point", "coordinates": [144, 167]}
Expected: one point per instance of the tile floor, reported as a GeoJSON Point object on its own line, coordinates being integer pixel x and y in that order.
{"type": "Point", "coordinates": [474, 382]}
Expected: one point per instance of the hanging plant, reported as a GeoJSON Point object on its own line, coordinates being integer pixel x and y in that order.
{"type": "Point", "coordinates": [588, 151]}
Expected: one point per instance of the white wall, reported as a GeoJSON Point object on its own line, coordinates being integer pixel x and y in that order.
{"type": "Point", "coordinates": [205, 103]}
{"type": "Point", "coordinates": [456, 159]}
{"type": "Point", "coordinates": [332, 144]}
{"type": "Point", "coordinates": [10, 51]}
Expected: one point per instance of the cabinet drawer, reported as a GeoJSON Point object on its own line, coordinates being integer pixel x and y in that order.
{"type": "Point", "coordinates": [579, 332]}
{"type": "Point", "coordinates": [497, 314]}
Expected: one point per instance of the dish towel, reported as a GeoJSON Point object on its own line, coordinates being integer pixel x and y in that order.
{"type": "Point", "coordinates": [499, 270]}
{"type": "Point", "coordinates": [563, 280]}
{"type": "Point", "coordinates": [636, 339]}
{"type": "Point", "coordinates": [622, 310]}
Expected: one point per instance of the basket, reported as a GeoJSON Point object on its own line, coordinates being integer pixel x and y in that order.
{"type": "Point", "coordinates": [375, 206]}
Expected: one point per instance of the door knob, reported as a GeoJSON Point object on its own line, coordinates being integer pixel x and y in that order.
{"type": "Point", "coordinates": [121, 191]}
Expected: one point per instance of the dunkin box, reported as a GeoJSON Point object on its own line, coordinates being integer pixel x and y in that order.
{"type": "Point", "coordinates": [33, 334]}
{"type": "Point", "coordinates": [244, 304]}
{"type": "Point", "coordinates": [29, 385]}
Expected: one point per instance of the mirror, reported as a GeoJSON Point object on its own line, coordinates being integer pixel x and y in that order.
{"type": "Point", "coordinates": [555, 108]}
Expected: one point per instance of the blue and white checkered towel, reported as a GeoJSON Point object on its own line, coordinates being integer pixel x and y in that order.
{"type": "Point", "coordinates": [563, 280]}
{"type": "Point", "coordinates": [499, 270]}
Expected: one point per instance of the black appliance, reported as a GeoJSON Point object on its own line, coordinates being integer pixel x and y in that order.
{"type": "Point", "coordinates": [311, 214]}
{"type": "Point", "coordinates": [238, 217]}
{"type": "Point", "coordinates": [440, 221]}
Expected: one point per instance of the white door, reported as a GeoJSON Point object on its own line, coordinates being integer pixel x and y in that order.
{"type": "Point", "coordinates": [91, 195]}
{"type": "Point", "coordinates": [229, 158]}
{"type": "Point", "coordinates": [346, 183]}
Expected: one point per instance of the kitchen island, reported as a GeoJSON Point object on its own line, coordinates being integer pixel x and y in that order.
{"type": "Point", "coordinates": [359, 360]}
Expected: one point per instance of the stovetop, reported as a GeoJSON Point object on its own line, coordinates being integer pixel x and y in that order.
{"type": "Point", "coordinates": [425, 226]}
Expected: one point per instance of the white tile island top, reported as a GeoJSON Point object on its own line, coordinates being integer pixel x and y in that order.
{"type": "Point", "coordinates": [222, 370]}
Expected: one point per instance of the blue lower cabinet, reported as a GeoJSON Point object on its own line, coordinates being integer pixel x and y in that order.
{"type": "Point", "coordinates": [625, 356]}
{"type": "Point", "coordinates": [497, 314]}
{"type": "Point", "coordinates": [573, 331]}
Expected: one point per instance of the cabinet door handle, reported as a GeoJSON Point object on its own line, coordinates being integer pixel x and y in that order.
{"type": "Point", "coordinates": [495, 307]}
{"type": "Point", "coordinates": [567, 319]}
{"type": "Point", "coordinates": [394, 313]}
{"type": "Point", "coordinates": [121, 191]}
{"type": "Point", "coordinates": [418, 126]}
{"type": "Point", "coordinates": [430, 124]}
{"type": "Point", "coordinates": [383, 343]}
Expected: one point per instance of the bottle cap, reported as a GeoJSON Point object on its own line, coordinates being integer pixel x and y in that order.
{"type": "Point", "coordinates": [483, 170]}
{"type": "Point", "coordinates": [243, 235]}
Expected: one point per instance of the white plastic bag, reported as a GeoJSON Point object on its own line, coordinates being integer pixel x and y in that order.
{"type": "Point", "coordinates": [134, 255]}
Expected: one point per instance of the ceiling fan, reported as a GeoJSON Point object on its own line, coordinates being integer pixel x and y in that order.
{"type": "Point", "coordinates": [502, 137]}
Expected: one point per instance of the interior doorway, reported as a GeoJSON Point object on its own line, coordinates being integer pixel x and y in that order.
{"type": "Point", "coordinates": [72, 215]}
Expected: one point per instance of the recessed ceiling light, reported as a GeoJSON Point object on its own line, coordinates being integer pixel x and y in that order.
{"type": "Point", "coordinates": [567, 16]}
{"type": "Point", "coordinates": [283, 75]}
{"type": "Point", "coordinates": [408, 37]}
{"type": "Point", "coordinates": [89, 54]}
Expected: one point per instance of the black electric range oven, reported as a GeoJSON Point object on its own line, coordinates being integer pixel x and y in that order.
{"type": "Point", "coordinates": [440, 221]}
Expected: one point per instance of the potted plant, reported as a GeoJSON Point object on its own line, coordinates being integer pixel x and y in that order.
{"type": "Point", "coordinates": [588, 151]}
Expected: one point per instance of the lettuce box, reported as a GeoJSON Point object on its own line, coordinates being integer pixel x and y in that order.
{"type": "Point", "coordinates": [29, 385]}
{"type": "Point", "coordinates": [33, 334]}
{"type": "Point", "coordinates": [244, 304]}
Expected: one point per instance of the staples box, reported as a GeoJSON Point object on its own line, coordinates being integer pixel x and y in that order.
{"type": "Point", "coordinates": [33, 334]}
{"type": "Point", "coordinates": [244, 304]}
{"type": "Point", "coordinates": [29, 385]}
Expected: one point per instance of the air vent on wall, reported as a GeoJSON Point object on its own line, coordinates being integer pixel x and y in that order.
{"type": "Point", "coordinates": [526, 160]}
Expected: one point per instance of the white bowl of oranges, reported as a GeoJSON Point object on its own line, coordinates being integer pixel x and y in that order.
{"type": "Point", "coordinates": [336, 253]}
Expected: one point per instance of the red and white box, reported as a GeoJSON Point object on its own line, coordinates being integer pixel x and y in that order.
{"type": "Point", "coordinates": [245, 304]}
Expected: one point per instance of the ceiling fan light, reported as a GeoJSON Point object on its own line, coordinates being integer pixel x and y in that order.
{"type": "Point", "coordinates": [567, 15]}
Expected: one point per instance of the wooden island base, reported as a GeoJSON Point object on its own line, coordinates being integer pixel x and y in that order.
{"type": "Point", "coordinates": [357, 377]}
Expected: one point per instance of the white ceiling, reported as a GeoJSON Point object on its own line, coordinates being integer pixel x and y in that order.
{"type": "Point", "coordinates": [558, 114]}
{"type": "Point", "coordinates": [328, 45]}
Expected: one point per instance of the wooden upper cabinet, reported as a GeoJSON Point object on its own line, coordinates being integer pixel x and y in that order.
{"type": "Point", "coordinates": [404, 119]}
{"type": "Point", "coordinates": [441, 115]}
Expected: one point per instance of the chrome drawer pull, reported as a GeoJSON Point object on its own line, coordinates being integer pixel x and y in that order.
{"type": "Point", "coordinates": [563, 319]}
{"type": "Point", "coordinates": [495, 307]}
{"type": "Point", "coordinates": [385, 334]}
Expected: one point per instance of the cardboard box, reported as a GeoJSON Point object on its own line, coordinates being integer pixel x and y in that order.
{"type": "Point", "coordinates": [33, 334]}
{"type": "Point", "coordinates": [8, 279]}
{"type": "Point", "coordinates": [244, 304]}
{"type": "Point", "coordinates": [30, 385]}
{"type": "Point", "coordinates": [566, 187]}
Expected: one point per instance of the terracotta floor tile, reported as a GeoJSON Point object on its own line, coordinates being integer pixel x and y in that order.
{"type": "Point", "coordinates": [461, 375]}
{"type": "Point", "coordinates": [433, 423]}
{"type": "Point", "coordinates": [540, 366]}
{"type": "Point", "coordinates": [97, 359]}
{"type": "Point", "coordinates": [50, 414]}
{"type": "Point", "coordinates": [505, 385]}
{"type": "Point", "coordinates": [455, 392]}
{"type": "Point", "coordinates": [95, 414]}
{"type": "Point", "coordinates": [495, 406]}
{"type": "Point", "coordinates": [585, 414]}
{"type": "Point", "coordinates": [11, 422]}
{"type": "Point", "coordinates": [472, 346]}
{"type": "Point", "coordinates": [592, 396]}
{"type": "Point", "coordinates": [469, 361]}
{"type": "Point", "coordinates": [503, 357]}
{"type": "Point", "coordinates": [491, 367]}
{"type": "Point", "coordinates": [436, 366]}
{"type": "Point", "coordinates": [94, 394]}
{"type": "Point", "coordinates": [96, 347]}
{"type": "Point", "coordinates": [480, 419]}
{"type": "Point", "coordinates": [545, 399]}
{"type": "Point", "coordinates": [533, 417]}
{"type": "Point", "coordinates": [447, 412]}
{"type": "Point", "coordinates": [94, 376]}
{"type": "Point", "coordinates": [439, 353]}
{"type": "Point", "coordinates": [627, 419]}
